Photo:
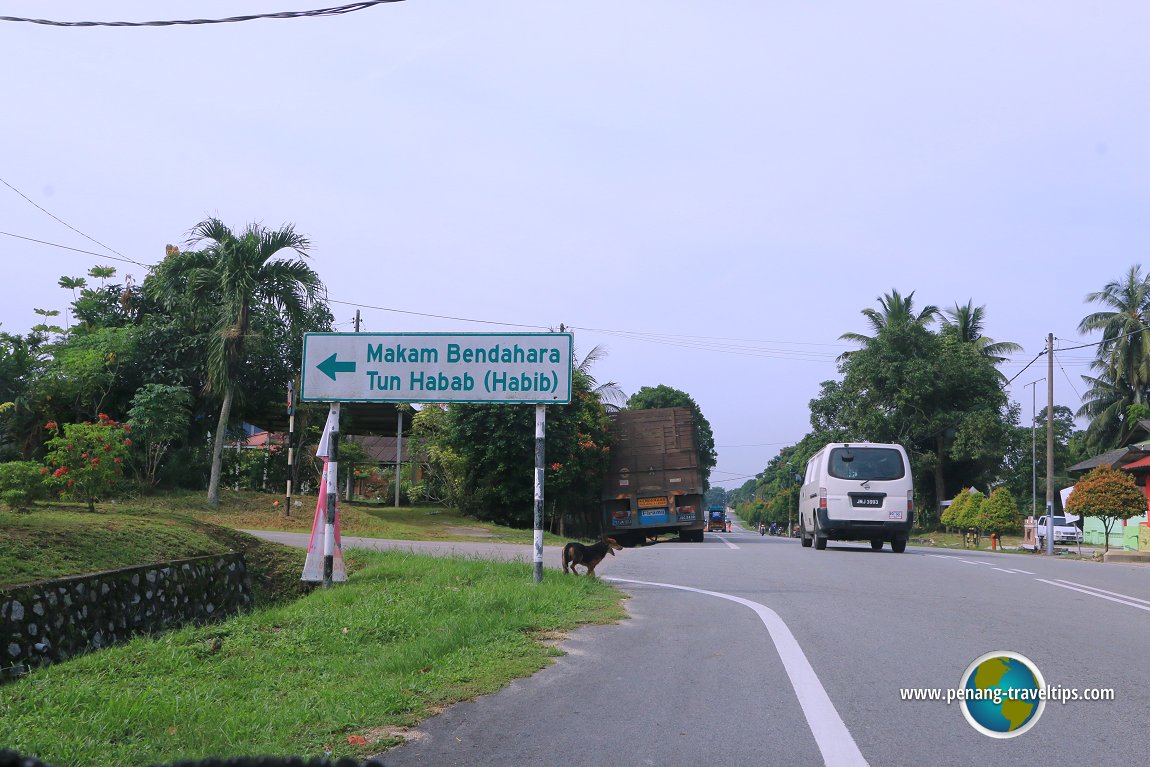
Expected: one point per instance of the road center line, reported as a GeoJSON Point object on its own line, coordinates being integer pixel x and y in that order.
{"type": "Point", "coordinates": [831, 735]}
{"type": "Point", "coordinates": [729, 544]}
{"type": "Point", "coordinates": [1096, 594]}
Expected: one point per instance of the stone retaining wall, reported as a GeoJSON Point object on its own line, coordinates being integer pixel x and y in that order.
{"type": "Point", "coordinates": [49, 621]}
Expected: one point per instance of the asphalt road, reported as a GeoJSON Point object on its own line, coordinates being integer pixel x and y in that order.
{"type": "Point", "coordinates": [748, 649]}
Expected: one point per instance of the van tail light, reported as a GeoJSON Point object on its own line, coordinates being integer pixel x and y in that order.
{"type": "Point", "coordinates": [822, 498]}
{"type": "Point", "coordinates": [909, 501]}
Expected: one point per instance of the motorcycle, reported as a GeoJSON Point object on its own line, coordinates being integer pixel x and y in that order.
{"type": "Point", "coordinates": [762, 529]}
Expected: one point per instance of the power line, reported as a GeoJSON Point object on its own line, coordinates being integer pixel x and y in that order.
{"type": "Point", "coordinates": [435, 316]}
{"type": "Point", "coordinates": [65, 223]}
{"type": "Point", "coordinates": [78, 250]}
{"type": "Point", "coordinates": [334, 11]}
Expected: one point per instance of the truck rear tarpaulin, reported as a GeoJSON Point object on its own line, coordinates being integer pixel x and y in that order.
{"type": "Point", "coordinates": [653, 485]}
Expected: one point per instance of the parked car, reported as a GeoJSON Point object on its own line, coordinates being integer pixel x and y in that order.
{"type": "Point", "coordinates": [1064, 531]}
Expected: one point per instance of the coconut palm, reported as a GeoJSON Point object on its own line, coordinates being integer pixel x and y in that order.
{"type": "Point", "coordinates": [1125, 347]}
{"type": "Point", "coordinates": [1106, 403]}
{"type": "Point", "coordinates": [966, 323]}
{"type": "Point", "coordinates": [230, 280]}
{"type": "Point", "coordinates": [896, 310]}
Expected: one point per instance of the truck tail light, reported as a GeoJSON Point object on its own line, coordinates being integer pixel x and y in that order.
{"type": "Point", "coordinates": [822, 498]}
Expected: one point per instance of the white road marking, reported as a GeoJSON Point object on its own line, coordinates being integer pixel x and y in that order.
{"type": "Point", "coordinates": [1004, 570]}
{"type": "Point", "coordinates": [1095, 593]}
{"type": "Point", "coordinates": [729, 544]}
{"type": "Point", "coordinates": [1104, 591]}
{"type": "Point", "coordinates": [1024, 572]}
{"type": "Point", "coordinates": [831, 735]}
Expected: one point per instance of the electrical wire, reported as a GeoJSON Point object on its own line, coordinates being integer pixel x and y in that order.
{"type": "Point", "coordinates": [333, 11]}
{"type": "Point", "coordinates": [78, 250]}
{"type": "Point", "coordinates": [65, 223]}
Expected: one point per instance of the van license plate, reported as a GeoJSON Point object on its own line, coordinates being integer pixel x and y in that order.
{"type": "Point", "coordinates": [867, 501]}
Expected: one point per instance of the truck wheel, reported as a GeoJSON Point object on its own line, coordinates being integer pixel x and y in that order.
{"type": "Point", "coordinates": [876, 544]}
{"type": "Point", "coordinates": [898, 545]}
{"type": "Point", "coordinates": [820, 540]}
{"type": "Point", "coordinates": [803, 538]}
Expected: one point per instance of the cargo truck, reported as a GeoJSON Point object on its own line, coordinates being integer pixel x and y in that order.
{"type": "Point", "coordinates": [654, 484]}
{"type": "Point", "coordinates": [717, 521]}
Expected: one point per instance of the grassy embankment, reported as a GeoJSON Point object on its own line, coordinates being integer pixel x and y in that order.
{"type": "Point", "coordinates": [335, 671]}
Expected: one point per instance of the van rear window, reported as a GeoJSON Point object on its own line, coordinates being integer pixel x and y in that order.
{"type": "Point", "coordinates": [862, 463]}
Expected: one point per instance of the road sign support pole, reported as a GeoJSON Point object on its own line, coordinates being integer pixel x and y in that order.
{"type": "Point", "coordinates": [332, 491]}
{"type": "Point", "coordinates": [540, 433]}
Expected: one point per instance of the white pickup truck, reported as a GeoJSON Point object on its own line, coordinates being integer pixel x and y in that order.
{"type": "Point", "coordinates": [1064, 531]}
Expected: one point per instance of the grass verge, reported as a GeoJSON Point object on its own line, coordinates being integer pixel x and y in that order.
{"type": "Point", "coordinates": [406, 636]}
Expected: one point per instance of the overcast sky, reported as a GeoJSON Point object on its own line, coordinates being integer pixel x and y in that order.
{"type": "Point", "coordinates": [712, 191]}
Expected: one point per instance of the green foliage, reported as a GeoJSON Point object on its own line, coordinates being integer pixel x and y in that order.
{"type": "Point", "coordinates": [22, 484]}
{"type": "Point", "coordinates": [159, 416]}
{"type": "Point", "coordinates": [1108, 494]}
{"type": "Point", "coordinates": [443, 467]}
{"type": "Point", "coordinates": [88, 459]}
{"type": "Point", "coordinates": [414, 634]}
{"type": "Point", "coordinates": [495, 446]}
{"type": "Point", "coordinates": [1122, 361]}
{"type": "Point", "coordinates": [999, 513]}
{"type": "Point", "coordinates": [964, 510]}
{"type": "Point", "coordinates": [665, 396]}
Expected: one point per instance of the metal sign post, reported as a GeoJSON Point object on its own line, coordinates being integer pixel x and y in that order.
{"type": "Point", "coordinates": [332, 491]}
{"type": "Point", "coordinates": [540, 434]}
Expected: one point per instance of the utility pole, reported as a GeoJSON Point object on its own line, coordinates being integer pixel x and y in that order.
{"type": "Point", "coordinates": [1050, 443]}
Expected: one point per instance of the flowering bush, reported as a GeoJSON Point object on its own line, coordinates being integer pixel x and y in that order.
{"type": "Point", "coordinates": [86, 459]}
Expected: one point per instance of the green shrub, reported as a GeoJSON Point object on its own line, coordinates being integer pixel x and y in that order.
{"type": "Point", "coordinates": [999, 513]}
{"type": "Point", "coordinates": [22, 483]}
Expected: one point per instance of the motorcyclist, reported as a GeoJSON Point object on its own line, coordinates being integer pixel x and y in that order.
{"type": "Point", "coordinates": [762, 528]}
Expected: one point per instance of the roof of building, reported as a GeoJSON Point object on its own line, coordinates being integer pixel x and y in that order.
{"type": "Point", "coordinates": [1115, 459]}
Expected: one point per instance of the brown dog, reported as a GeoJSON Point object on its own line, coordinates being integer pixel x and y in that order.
{"type": "Point", "coordinates": [588, 556]}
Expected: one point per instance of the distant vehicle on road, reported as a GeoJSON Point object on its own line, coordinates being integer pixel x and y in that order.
{"type": "Point", "coordinates": [717, 521]}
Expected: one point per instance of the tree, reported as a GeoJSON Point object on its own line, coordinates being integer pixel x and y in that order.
{"type": "Point", "coordinates": [665, 396]}
{"type": "Point", "coordinates": [895, 310]}
{"type": "Point", "coordinates": [236, 280]}
{"type": "Point", "coordinates": [1124, 354]}
{"type": "Point", "coordinates": [998, 513]}
{"type": "Point", "coordinates": [1109, 494]}
{"type": "Point", "coordinates": [963, 512]}
{"type": "Point", "coordinates": [159, 417]}
{"type": "Point", "coordinates": [966, 323]}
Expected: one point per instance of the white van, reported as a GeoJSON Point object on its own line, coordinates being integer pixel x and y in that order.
{"type": "Point", "coordinates": [857, 492]}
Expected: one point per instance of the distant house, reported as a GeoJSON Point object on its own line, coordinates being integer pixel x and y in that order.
{"type": "Point", "coordinates": [1134, 458]}
{"type": "Point", "coordinates": [381, 452]}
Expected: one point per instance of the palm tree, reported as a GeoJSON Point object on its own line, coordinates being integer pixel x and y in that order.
{"type": "Point", "coordinates": [966, 323]}
{"type": "Point", "coordinates": [1106, 404]}
{"type": "Point", "coordinates": [896, 310]}
{"type": "Point", "coordinates": [229, 280]}
{"type": "Point", "coordinates": [1125, 347]}
{"type": "Point", "coordinates": [608, 393]}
